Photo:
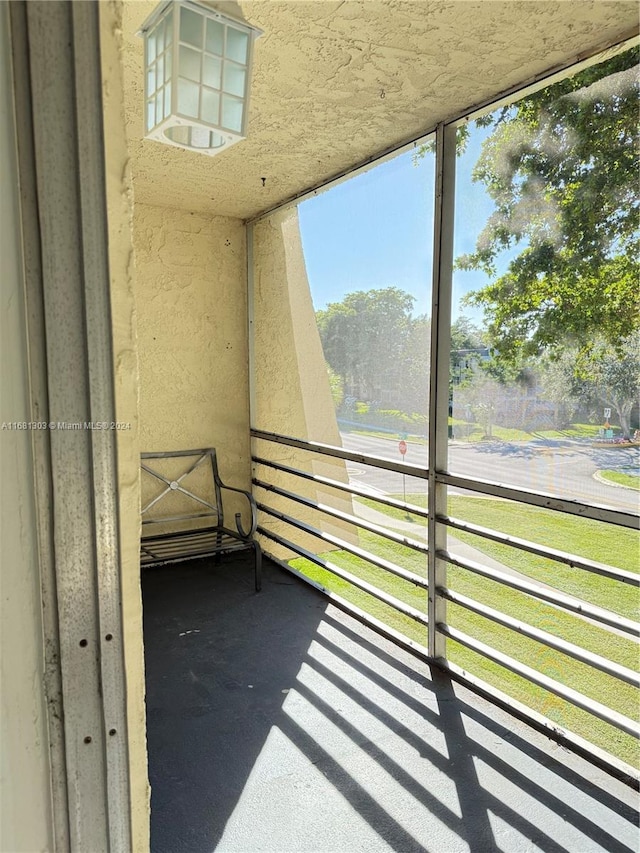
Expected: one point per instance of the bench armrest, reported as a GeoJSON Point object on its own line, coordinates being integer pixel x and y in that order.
{"type": "Point", "coordinates": [252, 506]}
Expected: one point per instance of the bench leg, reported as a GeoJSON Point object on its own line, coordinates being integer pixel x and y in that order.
{"type": "Point", "coordinates": [257, 552]}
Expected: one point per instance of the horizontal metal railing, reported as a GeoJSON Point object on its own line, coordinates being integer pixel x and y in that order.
{"type": "Point", "coordinates": [343, 516]}
{"type": "Point", "coordinates": [340, 453]}
{"type": "Point", "coordinates": [344, 487]}
{"type": "Point", "coordinates": [536, 590]}
{"type": "Point", "coordinates": [573, 696]}
{"type": "Point", "coordinates": [543, 500]}
{"type": "Point", "coordinates": [550, 640]}
{"type": "Point", "coordinates": [330, 539]}
{"type": "Point", "coordinates": [549, 553]}
{"type": "Point", "coordinates": [391, 600]}
{"type": "Point", "coordinates": [550, 595]}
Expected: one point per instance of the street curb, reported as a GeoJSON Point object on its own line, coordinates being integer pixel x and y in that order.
{"type": "Point", "coordinates": [597, 476]}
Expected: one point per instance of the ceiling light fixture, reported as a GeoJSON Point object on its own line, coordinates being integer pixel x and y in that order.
{"type": "Point", "coordinates": [197, 65]}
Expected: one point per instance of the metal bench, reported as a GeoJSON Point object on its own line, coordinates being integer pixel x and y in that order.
{"type": "Point", "coordinates": [179, 532]}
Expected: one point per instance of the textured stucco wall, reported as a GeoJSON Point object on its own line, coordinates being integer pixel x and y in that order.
{"type": "Point", "coordinates": [192, 335]}
{"type": "Point", "coordinates": [25, 813]}
{"type": "Point", "coordinates": [292, 394]}
{"type": "Point", "coordinates": [123, 315]}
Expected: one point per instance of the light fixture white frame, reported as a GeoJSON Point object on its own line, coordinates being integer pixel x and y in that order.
{"type": "Point", "coordinates": [197, 71]}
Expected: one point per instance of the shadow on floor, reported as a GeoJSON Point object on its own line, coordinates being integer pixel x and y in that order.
{"type": "Point", "coordinates": [278, 723]}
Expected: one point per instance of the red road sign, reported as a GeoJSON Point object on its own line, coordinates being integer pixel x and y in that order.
{"type": "Point", "coordinates": [402, 447]}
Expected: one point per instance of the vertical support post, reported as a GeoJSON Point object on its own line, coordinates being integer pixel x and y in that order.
{"type": "Point", "coordinates": [251, 320]}
{"type": "Point", "coordinates": [439, 378]}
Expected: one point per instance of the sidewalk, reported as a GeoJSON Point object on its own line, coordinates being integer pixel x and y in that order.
{"type": "Point", "coordinates": [468, 552]}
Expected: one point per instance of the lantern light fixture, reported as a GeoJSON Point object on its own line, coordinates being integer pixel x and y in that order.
{"type": "Point", "coordinates": [197, 64]}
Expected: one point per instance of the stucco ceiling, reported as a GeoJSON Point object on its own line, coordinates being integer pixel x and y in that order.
{"type": "Point", "coordinates": [337, 81]}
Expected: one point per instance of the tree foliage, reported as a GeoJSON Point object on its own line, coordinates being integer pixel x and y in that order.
{"type": "Point", "coordinates": [601, 378]}
{"type": "Point", "coordinates": [561, 168]}
{"type": "Point", "coordinates": [379, 349]}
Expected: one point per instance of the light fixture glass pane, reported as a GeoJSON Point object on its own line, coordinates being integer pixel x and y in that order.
{"type": "Point", "coordinates": [191, 27]}
{"type": "Point", "coordinates": [215, 37]}
{"type": "Point", "coordinates": [210, 106]}
{"type": "Point", "coordinates": [234, 76]}
{"type": "Point", "coordinates": [160, 38]}
{"type": "Point", "coordinates": [151, 114]}
{"type": "Point", "coordinates": [188, 96]}
{"type": "Point", "coordinates": [167, 99]}
{"type": "Point", "coordinates": [189, 64]}
{"type": "Point", "coordinates": [237, 43]}
{"type": "Point", "coordinates": [160, 70]}
{"type": "Point", "coordinates": [151, 47]}
{"type": "Point", "coordinates": [232, 113]}
{"type": "Point", "coordinates": [168, 30]}
{"type": "Point", "coordinates": [168, 57]}
{"type": "Point", "coordinates": [151, 80]}
{"type": "Point", "coordinates": [159, 106]}
{"type": "Point", "coordinates": [212, 71]}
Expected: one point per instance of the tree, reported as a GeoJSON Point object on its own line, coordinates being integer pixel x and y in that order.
{"type": "Point", "coordinates": [481, 397]}
{"type": "Point", "coordinates": [603, 378]}
{"type": "Point", "coordinates": [616, 379]}
{"type": "Point", "coordinates": [380, 350]}
{"type": "Point", "coordinates": [467, 350]}
{"type": "Point", "coordinates": [336, 384]}
{"type": "Point", "coordinates": [561, 168]}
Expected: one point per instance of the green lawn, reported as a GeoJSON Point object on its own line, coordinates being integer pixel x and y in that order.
{"type": "Point", "coordinates": [622, 478]}
{"type": "Point", "coordinates": [617, 547]}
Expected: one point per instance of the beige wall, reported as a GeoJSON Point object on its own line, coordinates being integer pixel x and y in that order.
{"type": "Point", "coordinates": [292, 394]}
{"type": "Point", "coordinates": [25, 813]}
{"type": "Point", "coordinates": [192, 335]}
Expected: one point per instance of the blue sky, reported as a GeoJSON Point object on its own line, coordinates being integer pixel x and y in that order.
{"type": "Point", "coordinates": [376, 230]}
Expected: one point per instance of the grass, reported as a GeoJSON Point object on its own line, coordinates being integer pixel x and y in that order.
{"type": "Point", "coordinates": [631, 481]}
{"type": "Point", "coordinates": [580, 536]}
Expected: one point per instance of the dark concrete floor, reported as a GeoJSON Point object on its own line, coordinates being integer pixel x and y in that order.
{"type": "Point", "coordinates": [278, 723]}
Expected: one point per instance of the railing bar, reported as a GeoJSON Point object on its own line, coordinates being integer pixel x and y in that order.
{"type": "Point", "coordinates": [345, 487]}
{"type": "Point", "coordinates": [601, 758]}
{"type": "Point", "coordinates": [358, 613]}
{"type": "Point", "coordinates": [577, 699]}
{"type": "Point", "coordinates": [339, 453]}
{"type": "Point", "coordinates": [398, 605]}
{"type": "Point", "coordinates": [595, 512]}
{"type": "Point", "coordinates": [550, 640]}
{"type": "Point", "coordinates": [358, 552]}
{"type": "Point", "coordinates": [543, 551]}
{"type": "Point", "coordinates": [544, 500]}
{"type": "Point", "coordinates": [592, 753]}
{"type": "Point", "coordinates": [343, 516]}
{"type": "Point", "coordinates": [574, 605]}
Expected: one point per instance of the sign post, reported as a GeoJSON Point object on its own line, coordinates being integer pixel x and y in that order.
{"type": "Point", "coordinates": [402, 447]}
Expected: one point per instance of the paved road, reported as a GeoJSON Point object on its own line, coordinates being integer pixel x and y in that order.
{"type": "Point", "coordinates": [561, 467]}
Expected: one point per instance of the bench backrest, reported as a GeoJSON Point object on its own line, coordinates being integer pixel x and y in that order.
{"type": "Point", "coordinates": [180, 489]}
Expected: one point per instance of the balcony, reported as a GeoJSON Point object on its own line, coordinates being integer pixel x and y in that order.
{"type": "Point", "coordinates": [276, 721]}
